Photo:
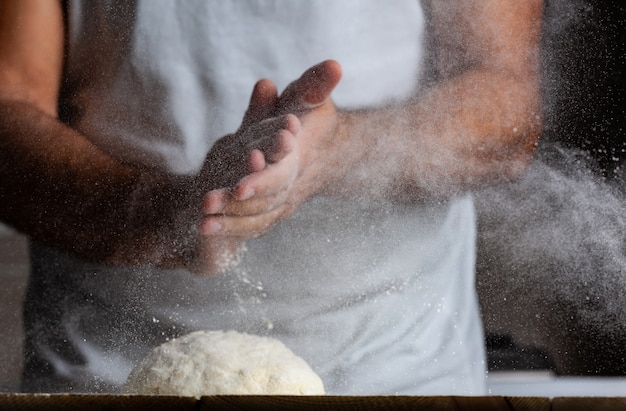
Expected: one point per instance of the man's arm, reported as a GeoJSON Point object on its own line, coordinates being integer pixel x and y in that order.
{"type": "Point", "coordinates": [480, 122]}
{"type": "Point", "coordinates": [56, 186]}
{"type": "Point", "coordinates": [48, 171]}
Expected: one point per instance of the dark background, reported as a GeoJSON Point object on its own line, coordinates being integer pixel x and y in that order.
{"type": "Point", "coordinates": [585, 78]}
{"type": "Point", "coordinates": [530, 322]}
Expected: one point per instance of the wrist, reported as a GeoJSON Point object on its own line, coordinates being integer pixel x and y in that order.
{"type": "Point", "coordinates": [160, 222]}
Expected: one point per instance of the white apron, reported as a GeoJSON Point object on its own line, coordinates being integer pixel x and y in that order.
{"type": "Point", "coordinates": [377, 298]}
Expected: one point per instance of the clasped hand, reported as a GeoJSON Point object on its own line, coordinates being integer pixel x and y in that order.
{"type": "Point", "coordinates": [260, 175]}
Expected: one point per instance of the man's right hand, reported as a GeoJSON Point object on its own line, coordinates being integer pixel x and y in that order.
{"type": "Point", "coordinates": [262, 141]}
{"type": "Point", "coordinates": [268, 158]}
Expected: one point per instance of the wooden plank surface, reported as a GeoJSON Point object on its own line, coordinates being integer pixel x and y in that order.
{"type": "Point", "coordinates": [589, 404]}
{"type": "Point", "coordinates": [327, 403]}
{"type": "Point", "coordinates": [374, 403]}
{"type": "Point", "coordinates": [529, 403]}
{"type": "Point", "coordinates": [89, 402]}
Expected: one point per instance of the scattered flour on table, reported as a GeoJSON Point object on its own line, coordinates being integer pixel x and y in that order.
{"type": "Point", "coordinates": [223, 363]}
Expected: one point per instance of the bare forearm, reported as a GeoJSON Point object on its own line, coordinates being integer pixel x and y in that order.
{"type": "Point", "coordinates": [59, 188]}
{"type": "Point", "coordinates": [477, 128]}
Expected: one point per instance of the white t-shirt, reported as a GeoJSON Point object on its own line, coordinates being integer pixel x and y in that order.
{"type": "Point", "coordinates": [377, 298]}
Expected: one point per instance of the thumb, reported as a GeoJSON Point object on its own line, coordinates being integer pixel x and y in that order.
{"type": "Point", "coordinates": [312, 89]}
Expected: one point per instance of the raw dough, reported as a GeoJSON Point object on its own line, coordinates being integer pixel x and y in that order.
{"type": "Point", "coordinates": [223, 363]}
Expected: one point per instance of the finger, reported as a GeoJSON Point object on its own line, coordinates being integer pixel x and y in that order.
{"type": "Point", "coordinates": [257, 205]}
{"type": "Point", "coordinates": [273, 137]}
{"type": "Point", "coordinates": [278, 147]}
{"type": "Point", "coordinates": [266, 199]}
{"type": "Point", "coordinates": [263, 196]}
{"type": "Point", "coordinates": [283, 144]}
{"type": "Point", "coordinates": [242, 228]}
{"type": "Point", "coordinates": [262, 102]}
{"type": "Point", "coordinates": [312, 89]}
{"type": "Point", "coordinates": [250, 149]}
{"type": "Point", "coordinates": [271, 180]}
{"type": "Point", "coordinates": [215, 201]}
{"type": "Point", "coordinates": [256, 161]}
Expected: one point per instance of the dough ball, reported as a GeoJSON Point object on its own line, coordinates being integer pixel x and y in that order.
{"type": "Point", "coordinates": [223, 363]}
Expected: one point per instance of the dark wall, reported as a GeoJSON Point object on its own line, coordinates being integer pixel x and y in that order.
{"type": "Point", "coordinates": [584, 56]}
{"type": "Point", "coordinates": [552, 246]}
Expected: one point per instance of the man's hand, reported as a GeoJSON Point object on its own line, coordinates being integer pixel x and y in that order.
{"type": "Point", "coordinates": [274, 171]}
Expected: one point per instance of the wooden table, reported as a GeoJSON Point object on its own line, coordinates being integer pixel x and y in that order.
{"type": "Point", "coordinates": [89, 402]}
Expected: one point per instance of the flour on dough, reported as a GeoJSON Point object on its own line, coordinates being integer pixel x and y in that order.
{"type": "Point", "coordinates": [223, 363]}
